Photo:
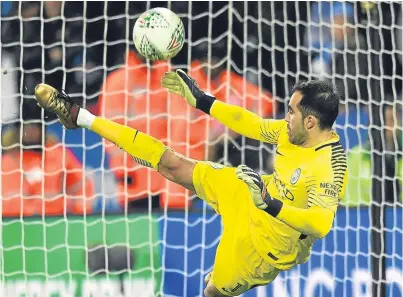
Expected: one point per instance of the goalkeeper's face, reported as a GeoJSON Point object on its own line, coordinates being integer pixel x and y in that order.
{"type": "Point", "coordinates": [297, 134]}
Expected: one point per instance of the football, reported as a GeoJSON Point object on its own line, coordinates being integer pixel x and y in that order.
{"type": "Point", "coordinates": [158, 34]}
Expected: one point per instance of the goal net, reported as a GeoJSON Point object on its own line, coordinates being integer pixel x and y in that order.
{"type": "Point", "coordinates": [81, 218]}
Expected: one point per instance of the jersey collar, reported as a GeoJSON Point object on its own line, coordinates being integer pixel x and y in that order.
{"type": "Point", "coordinates": [335, 139]}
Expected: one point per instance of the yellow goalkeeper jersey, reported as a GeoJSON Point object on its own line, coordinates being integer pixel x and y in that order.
{"type": "Point", "coordinates": [303, 177]}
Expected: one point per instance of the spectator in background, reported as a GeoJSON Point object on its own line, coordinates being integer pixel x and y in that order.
{"type": "Point", "coordinates": [131, 95]}
{"type": "Point", "coordinates": [198, 136]}
{"type": "Point", "coordinates": [230, 87]}
{"type": "Point", "coordinates": [37, 34]}
{"type": "Point", "coordinates": [41, 178]}
{"type": "Point", "coordinates": [21, 28]}
{"type": "Point", "coordinates": [338, 49]}
{"type": "Point", "coordinates": [83, 63]}
{"type": "Point", "coordinates": [328, 32]}
{"type": "Point", "coordinates": [22, 38]}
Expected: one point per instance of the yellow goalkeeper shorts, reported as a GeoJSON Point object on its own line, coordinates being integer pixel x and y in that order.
{"type": "Point", "coordinates": [238, 267]}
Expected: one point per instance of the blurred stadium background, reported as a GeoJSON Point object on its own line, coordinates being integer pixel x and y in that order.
{"type": "Point", "coordinates": [80, 218]}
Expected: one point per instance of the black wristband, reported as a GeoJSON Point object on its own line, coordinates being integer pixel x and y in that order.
{"type": "Point", "coordinates": [205, 103]}
{"type": "Point", "coordinates": [274, 207]}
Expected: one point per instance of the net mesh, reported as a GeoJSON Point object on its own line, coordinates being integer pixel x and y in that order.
{"type": "Point", "coordinates": [121, 215]}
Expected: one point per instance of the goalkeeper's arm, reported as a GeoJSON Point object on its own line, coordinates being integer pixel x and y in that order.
{"type": "Point", "coordinates": [316, 220]}
{"type": "Point", "coordinates": [234, 117]}
{"type": "Point", "coordinates": [238, 119]}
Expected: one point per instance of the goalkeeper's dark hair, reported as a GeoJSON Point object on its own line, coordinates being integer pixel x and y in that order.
{"type": "Point", "coordinates": [319, 99]}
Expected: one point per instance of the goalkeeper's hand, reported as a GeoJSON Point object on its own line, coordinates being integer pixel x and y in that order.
{"type": "Point", "coordinates": [181, 84]}
{"type": "Point", "coordinates": [261, 198]}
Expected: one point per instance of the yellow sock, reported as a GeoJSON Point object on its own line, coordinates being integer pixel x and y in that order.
{"type": "Point", "coordinates": [145, 149]}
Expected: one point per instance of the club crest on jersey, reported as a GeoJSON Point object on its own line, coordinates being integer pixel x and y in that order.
{"type": "Point", "coordinates": [295, 176]}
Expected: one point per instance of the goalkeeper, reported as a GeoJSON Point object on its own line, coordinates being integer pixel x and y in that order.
{"type": "Point", "coordinates": [269, 222]}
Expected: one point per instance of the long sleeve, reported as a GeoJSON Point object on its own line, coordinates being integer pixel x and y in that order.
{"type": "Point", "coordinates": [247, 123]}
{"type": "Point", "coordinates": [315, 221]}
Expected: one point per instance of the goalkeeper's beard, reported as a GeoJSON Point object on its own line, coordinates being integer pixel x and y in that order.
{"type": "Point", "coordinates": [298, 137]}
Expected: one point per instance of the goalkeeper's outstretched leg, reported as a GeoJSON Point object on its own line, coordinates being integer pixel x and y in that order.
{"type": "Point", "coordinates": [145, 149]}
